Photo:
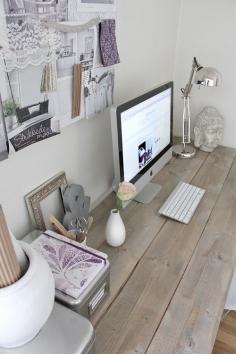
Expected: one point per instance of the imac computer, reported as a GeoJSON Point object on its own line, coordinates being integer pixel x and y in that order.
{"type": "Point", "coordinates": [142, 139]}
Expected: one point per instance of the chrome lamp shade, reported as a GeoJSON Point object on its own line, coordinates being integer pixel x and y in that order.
{"type": "Point", "coordinates": [205, 76]}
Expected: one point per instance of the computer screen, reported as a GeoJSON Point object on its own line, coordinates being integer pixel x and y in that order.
{"type": "Point", "coordinates": [144, 131]}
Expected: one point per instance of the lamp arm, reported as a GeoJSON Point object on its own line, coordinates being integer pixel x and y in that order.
{"type": "Point", "coordinates": [186, 91]}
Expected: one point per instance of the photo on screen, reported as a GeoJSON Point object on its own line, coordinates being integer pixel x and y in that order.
{"type": "Point", "coordinates": [145, 152]}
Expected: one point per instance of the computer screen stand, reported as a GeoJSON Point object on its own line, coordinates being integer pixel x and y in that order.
{"type": "Point", "coordinates": [148, 193]}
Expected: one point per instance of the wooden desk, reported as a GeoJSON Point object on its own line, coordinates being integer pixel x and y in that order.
{"type": "Point", "coordinates": [169, 281]}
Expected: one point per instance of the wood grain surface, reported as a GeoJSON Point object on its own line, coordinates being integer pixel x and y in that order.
{"type": "Point", "coordinates": [192, 319]}
{"type": "Point", "coordinates": [142, 224]}
{"type": "Point", "coordinates": [226, 337]}
{"type": "Point", "coordinates": [169, 280]}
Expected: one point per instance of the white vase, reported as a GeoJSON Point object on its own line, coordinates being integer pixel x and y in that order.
{"type": "Point", "coordinates": [26, 305]}
{"type": "Point", "coordinates": [115, 229]}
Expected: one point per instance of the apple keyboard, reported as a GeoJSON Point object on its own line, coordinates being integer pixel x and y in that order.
{"type": "Point", "coordinates": [182, 202]}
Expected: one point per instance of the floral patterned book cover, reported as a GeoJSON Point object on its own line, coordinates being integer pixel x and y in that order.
{"type": "Point", "coordinates": [74, 266]}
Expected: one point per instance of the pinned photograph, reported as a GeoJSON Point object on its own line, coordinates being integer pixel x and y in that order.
{"type": "Point", "coordinates": [27, 115]}
{"type": "Point", "coordinates": [98, 90]}
{"type": "Point", "coordinates": [95, 5]}
{"type": "Point", "coordinates": [49, 9]}
{"type": "Point", "coordinates": [34, 124]}
{"type": "Point", "coordinates": [14, 6]}
{"type": "Point", "coordinates": [75, 48]}
{"type": "Point", "coordinates": [111, 2]}
{"type": "Point", "coordinates": [3, 136]}
{"type": "Point", "coordinates": [66, 55]}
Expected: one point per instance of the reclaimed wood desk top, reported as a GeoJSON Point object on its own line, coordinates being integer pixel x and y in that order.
{"type": "Point", "coordinates": [169, 281]}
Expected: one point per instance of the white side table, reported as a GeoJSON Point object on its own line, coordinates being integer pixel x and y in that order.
{"type": "Point", "coordinates": [65, 332]}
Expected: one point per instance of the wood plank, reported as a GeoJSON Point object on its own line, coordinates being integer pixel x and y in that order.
{"type": "Point", "coordinates": [226, 337]}
{"type": "Point", "coordinates": [173, 172]}
{"type": "Point", "coordinates": [132, 320]}
{"type": "Point", "coordinates": [191, 321]}
{"type": "Point", "coordinates": [142, 223]}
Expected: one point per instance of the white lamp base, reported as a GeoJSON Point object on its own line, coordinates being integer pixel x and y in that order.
{"type": "Point", "coordinates": [184, 152]}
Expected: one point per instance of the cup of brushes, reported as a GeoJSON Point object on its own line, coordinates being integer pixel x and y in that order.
{"type": "Point", "coordinates": [27, 290]}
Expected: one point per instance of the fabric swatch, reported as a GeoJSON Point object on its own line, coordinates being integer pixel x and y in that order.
{"type": "Point", "coordinates": [108, 45]}
{"type": "Point", "coordinates": [49, 79]}
{"type": "Point", "coordinates": [77, 81]}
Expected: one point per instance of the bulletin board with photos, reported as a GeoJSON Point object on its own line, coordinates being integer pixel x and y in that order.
{"type": "Point", "coordinates": [57, 66]}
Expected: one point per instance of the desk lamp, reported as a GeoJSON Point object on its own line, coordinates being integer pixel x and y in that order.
{"type": "Point", "coordinates": [205, 76]}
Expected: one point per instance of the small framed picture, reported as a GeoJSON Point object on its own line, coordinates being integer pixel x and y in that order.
{"type": "Point", "coordinates": [97, 5]}
{"type": "Point", "coordinates": [46, 199]}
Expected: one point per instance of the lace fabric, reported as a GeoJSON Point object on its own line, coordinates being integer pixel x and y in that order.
{"type": "Point", "coordinates": [29, 43]}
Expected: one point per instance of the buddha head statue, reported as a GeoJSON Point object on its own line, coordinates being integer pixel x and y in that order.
{"type": "Point", "coordinates": [208, 129]}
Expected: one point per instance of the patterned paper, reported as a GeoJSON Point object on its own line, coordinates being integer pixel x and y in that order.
{"type": "Point", "coordinates": [108, 45]}
{"type": "Point", "coordinates": [73, 267]}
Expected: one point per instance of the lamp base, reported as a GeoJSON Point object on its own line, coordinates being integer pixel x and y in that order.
{"type": "Point", "coordinates": [184, 152]}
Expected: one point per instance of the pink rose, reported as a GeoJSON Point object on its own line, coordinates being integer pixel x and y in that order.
{"type": "Point", "coordinates": [126, 191]}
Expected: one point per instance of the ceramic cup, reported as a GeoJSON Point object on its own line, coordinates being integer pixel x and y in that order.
{"type": "Point", "coordinates": [26, 305]}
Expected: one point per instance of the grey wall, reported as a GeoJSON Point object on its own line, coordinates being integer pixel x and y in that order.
{"type": "Point", "coordinates": [207, 30]}
{"type": "Point", "coordinates": [147, 33]}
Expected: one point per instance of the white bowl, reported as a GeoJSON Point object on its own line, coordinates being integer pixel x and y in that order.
{"type": "Point", "coordinates": [26, 305]}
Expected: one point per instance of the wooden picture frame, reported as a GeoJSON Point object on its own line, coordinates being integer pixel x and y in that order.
{"type": "Point", "coordinates": [34, 198]}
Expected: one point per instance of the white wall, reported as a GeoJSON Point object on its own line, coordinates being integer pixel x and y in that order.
{"type": "Point", "coordinates": [147, 32]}
{"type": "Point", "coordinates": [83, 151]}
{"type": "Point", "coordinates": [207, 30]}
{"type": "Point", "coordinates": [146, 38]}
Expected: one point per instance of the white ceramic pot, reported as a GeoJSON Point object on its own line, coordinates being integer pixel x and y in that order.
{"type": "Point", "coordinates": [115, 229]}
{"type": "Point", "coordinates": [26, 305]}
{"type": "Point", "coordinates": [21, 256]}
